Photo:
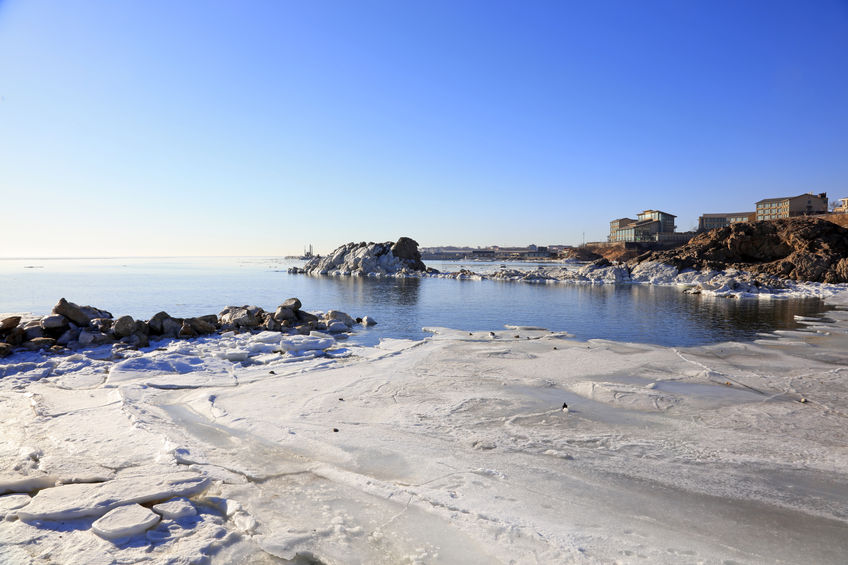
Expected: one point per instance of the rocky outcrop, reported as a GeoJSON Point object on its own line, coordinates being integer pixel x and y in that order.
{"type": "Point", "coordinates": [363, 259]}
{"type": "Point", "coordinates": [71, 326]}
{"type": "Point", "coordinates": [802, 249]}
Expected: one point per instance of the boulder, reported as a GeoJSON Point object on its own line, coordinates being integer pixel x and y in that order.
{"type": "Point", "coordinates": [203, 324]}
{"type": "Point", "coordinates": [39, 343]}
{"type": "Point", "coordinates": [186, 330]}
{"type": "Point", "coordinates": [123, 326]}
{"type": "Point", "coordinates": [341, 317]}
{"type": "Point", "coordinates": [303, 316]}
{"type": "Point", "coordinates": [5, 349]}
{"type": "Point", "coordinates": [89, 337]}
{"type": "Point", "coordinates": [55, 322]}
{"type": "Point", "coordinates": [155, 323]}
{"type": "Point", "coordinates": [9, 323]}
{"type": "Point", "coordinates": [369, 321]}
{"type": "Point", "coordinates": [171, 327]}
{"type": "Point", "coordinates": [71, 334]}
{"type": "Point", "coordinates": [15, 336]}
{"type": "Point", "coordinates": [101, 324]}
{"type": "Point", "coordinates": [80, 315]}
{"type": "Point", "coordinates": [141, 328]}
{"type": "Point", "coordinates": [292, 304]}
{"type": "Point", "coordinates": [33, 331]}
{"type": "Point", "coordinates": [285, 313]}
{"type": "Point", "coordinates": [241, 316]}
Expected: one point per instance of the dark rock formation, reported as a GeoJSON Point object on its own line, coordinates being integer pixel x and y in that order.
{"type": "Point", "coordinates": [364, 259]}
{"type": "Point", "coordinates": [803, 249]}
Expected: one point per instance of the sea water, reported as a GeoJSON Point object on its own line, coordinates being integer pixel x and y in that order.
{"type": "Point", "coordinates": [140, 287]}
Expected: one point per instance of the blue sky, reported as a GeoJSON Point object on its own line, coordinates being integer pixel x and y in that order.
{"type": "Point", "coordinates": [206, 128]}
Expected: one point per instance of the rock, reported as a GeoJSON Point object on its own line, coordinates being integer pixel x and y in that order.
{"type": "Point", "coordinates": [101, 324]}
{"type": "Point", "coordinates": [186, 330]}
{"type": "Point", "coordinates": [802, 248]}
{"type": "Point", "coordinates": [241, 316]}
{"type": "Point", "coordinates": [80, 315]}
{"type": "Point", "coordinates": [369, 259]}
{"type": "Point", "coordinates": [337, 327]}
{"type": "Point", "coordinates": [304, 316]}
{"type": "Point", "coordinates": [141, 328]}
{"type": "Point", "coordinates": [39, 343]}
{"type": "Point", "coordinates": [15, 336]}
{"type": "Point", "coordinates": [71, 334]}
{"type": "Point", "coordinates": [204, 324]}
{"type": "Point", "coordinates": [285, 313]}
{"type": "Point", "coordinates": [341, 317]}
{"type": "Point", "coordinates": [155, 323]}
{"type": "Point", "coordinates": [123, 326]}
{"type": "Point", "coordinates": [171, 327]}
{"type": "Point", "coordinates": [292, 304]}
{"type": "Point", "coordinates": [33, 331]}
{"type": "Point", "coordinates": [55, 322]}
{"type": "Point", "coordinates": [125, 521]}
{"type": "Point", "coordinates": [270, 323]}
{"type": "Point", "coordinates": [369, 321]}
{"type": "Point", "coordinates": [90, 337]}
{"type": "Point", "coordinates": [5, 349]}
{"type": "Point", "coordinates": [9, 323]}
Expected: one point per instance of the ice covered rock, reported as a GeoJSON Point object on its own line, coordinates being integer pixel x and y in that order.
{"type": "Point", "coordinates": [55, 322]}
{"type": "Point", "coordinates": [175, 509]}
{"type": "Point", "coordinates": [125, 521]}
{"type": "Point", "coordinates": [368, 259]}
{"type": "Point", "coordinates": [368, 321]}
{"type": "Point", "coordinates": [299, 343]}
{"type": "Point", "coordinates": [241, 316]}
{"type": "Point", "coordinates": [69, 502]}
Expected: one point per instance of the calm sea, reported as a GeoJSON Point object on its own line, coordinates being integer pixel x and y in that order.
{"type": "Point", "coordinates": [141, 287]}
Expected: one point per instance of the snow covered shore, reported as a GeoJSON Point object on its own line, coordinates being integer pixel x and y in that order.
{"type": "Point", "coordinates": [454, 449]}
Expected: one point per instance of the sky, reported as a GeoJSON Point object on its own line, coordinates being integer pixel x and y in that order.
{"type": "Point", "coordinates": [150, 128]}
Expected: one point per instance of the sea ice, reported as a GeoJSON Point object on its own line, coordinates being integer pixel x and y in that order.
{"type": "Point", "coordinates": [125, 521]}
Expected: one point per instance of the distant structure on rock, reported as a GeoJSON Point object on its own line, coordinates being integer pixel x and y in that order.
{"type": "Point", "coordinates": [708, 222]}
{"type": "Point", "coordinates": [650, 226]}
{"type": "Point", "coordinates": [791, 206]}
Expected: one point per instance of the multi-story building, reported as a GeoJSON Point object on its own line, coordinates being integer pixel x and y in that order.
{"type": "Point", "coordinates": [650, 225]}
{"type": "Point", "coordinates": [789, 206]}
{"type": "Point", "coordinates": [842, 208]}
{"type": "Point", "coordinates": [708, 222]}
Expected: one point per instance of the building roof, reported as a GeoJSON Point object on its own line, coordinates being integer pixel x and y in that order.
{"type": "Point", "coordinates": [727, 215]}
{"type": "Point", "coordinates": [808, 194]}
{"type": "Point", "coordinates": [660, 211]}
{"type": "Point", "coordinates": [623, 220]}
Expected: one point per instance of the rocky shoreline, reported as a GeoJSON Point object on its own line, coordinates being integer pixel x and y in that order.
{"type": "Point", "coordinates": [71, 327]}
{"type": "Point", "coordinates": [764, 259]}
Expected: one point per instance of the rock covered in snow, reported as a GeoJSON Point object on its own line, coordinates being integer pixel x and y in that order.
{"type": "Point", "coordinates": [362, 259]}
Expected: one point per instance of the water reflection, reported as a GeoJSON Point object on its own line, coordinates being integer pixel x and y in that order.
{"type": "Point", "coordinates": [140, 288]}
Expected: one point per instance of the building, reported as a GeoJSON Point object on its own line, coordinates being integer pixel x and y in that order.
{"type": "Point", "coordinates": [790, 206]}
{"type": "Point", "coordinates": [712, 221]}
{"type": "Point", "coordinates": [650, 225]}
{"type": "Point", "coordinates": [842, 208]}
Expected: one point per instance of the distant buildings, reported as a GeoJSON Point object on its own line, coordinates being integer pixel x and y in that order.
{"type": "Point", "coordinates": [790, 206]}
{"type": "Point", "coordinates": [842, 208]}
{"type": "Point", "coordinates": [649, 226]}
{"type": "Point", "coordinates": [771, 209]}
{"type": "Point", "coordinates": [712, 221]}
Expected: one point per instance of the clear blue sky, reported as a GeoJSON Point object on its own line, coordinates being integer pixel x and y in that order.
{"type": "Point", "coordinates": [195, 128]}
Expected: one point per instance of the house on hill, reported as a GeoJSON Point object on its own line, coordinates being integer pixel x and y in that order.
{"type": "Point", "coordinates": [708, 222]}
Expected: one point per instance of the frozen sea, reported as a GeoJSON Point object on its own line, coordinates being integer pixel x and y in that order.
{"type": "Point", "coordinates": [183, 286]}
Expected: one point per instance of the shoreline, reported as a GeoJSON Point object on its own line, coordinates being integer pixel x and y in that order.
{"type": "Point", "coordinates": [461, 437]}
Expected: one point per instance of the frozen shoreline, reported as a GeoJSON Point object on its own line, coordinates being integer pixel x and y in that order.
{"type": "Point", "coordinates": [451, 449]}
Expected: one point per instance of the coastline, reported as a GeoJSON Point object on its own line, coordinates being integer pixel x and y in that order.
{"type": "Point", "coordinates": [450, 448]}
